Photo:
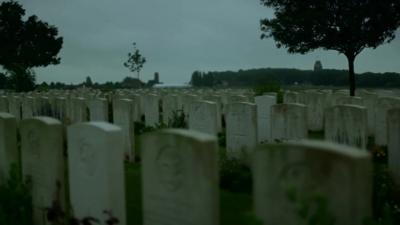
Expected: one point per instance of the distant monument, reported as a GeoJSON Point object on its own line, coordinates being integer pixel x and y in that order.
{"type": "Point", "coordinates": [157, 78]}
{"type": "Point", "coordinates": [155, 81]}
{"type": "Point", "coordinates": [318, 66]}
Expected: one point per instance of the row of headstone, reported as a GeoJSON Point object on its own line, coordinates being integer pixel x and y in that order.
{"type": "Point", "coordinates": [319, 103]}
{"type": "Point", "coordinates": [285, 125]}
{"type": "Point", "coordinates": [95, 158]}
{"type": "Point", "coordinates": [180, 173]}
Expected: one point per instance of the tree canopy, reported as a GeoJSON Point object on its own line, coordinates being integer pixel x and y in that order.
{"type": "Point", "coordinates": [135, 61]}
{"type": "Point", "coordinates": [282, 76]}
{"type": "Point", "coordinates": [347, 26]}
{"type": "Point", "coordinates": [25, 44]}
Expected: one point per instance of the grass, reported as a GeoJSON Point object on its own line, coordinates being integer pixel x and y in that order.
{"type": "Point", "coordinates": [133, 194]}
{"type": "Point", "coordinates": [316, 135]}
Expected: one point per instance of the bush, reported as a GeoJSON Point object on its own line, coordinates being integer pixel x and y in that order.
{"type": "Point", "coordinates": [15, 200]}
{"type": "Point", "coordinates": [273, 87]}
{"type": "Point", "coordinates": [235, 175]}
{"type": "Point", "coordinates": [178, 120]}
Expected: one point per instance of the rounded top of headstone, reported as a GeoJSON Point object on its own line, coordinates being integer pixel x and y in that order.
{"type": "Point", "coordinates": [5, 115]}
{"type": "Point", "coordinates": [233, 104]}
{"type": "Point", "coordinates": [353, 106]}
{"type": "Point", "coordinates": [204, 102]}
{"type": "Point", "coordinates": [44, 119]}
{"type": "Point", "coordinates": [98, 124]}
{"type": "Point", "coordinates": [192, 134]}
{"type": "Point", "coordinates": [328, 147]}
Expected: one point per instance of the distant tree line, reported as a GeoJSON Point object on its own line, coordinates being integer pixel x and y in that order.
{"type": "Point", "coordinates": [327, 77]}
{"type": "Point", "coordinates": [6, 83]}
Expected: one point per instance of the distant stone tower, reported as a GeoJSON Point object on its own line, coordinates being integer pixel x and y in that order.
{"type": "Point", "coordinates": [318, 66]}
{"type": "Point", "coordinates": [156, 78]}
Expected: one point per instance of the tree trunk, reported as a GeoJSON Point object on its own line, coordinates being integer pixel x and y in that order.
{"type": "Point", "coordinates": [352, 77]}
{"type": "Point", "coordinates": [138, 75]}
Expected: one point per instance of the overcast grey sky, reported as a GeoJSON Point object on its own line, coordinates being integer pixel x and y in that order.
{"type": "Point", "coordinates": [177, 37]}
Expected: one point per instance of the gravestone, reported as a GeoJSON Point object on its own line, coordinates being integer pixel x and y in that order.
{"type": "Point", "coordinates": [289, 122]}
{"type": "Point", "coordinates": [186, 100]}
{"type": "Point", "coordinates": [383, 105]}
{"type": "Point", "coordinates": [315, 102]}
{"type": "Point", "coordinates": [96, 171]}
{"type": "Point", "coordinates": [123, 117]}
{"type": "Point", "coordinates": [79, 109]}
{"type": "Point", "coordinates": [291, 97]}
{"type": "Point", "coordinates": [203, 117]}
{"type": "Point", "coordinates": [8, 145]}
{"type": "Point", "coordinates": [14, 106]}
{"type": "Point", "coordinates": [28, 107]}
{"type": "Point", "coordinates": [369, 100]}
{"type": "Point", "coordinates": [237, 98]}
{"type": "Point", "coordinates": [393, 124]}
{"type": "Point", "coordinates": [98, 109]}
{"type": "Point", "coordinates": [4, 104]}
{"type": "Point", "coordinates": [43, 107]}
{"type": "Point", "coordinates": [137, 106]}
{"type": "Point", "coordinates": [349, 100]}
{"type": "Point", "coordinates": [151, 110]}
{"type": "Point", "coordinates": [241, 128]}
{"type": "Point", "coordinates": [60, 109]}
{"type": "Point", "coordinates": [347, 124]}
{"type": "Point", "coordinates": [220, 108]}
{"type": "Point", "coordinates": [292, 180]}
{"type": "Point", "coordinates": [170, 106]}
{"type": "Point", "coordinates": [42, 150]}
{"type": "Point", "coordinates": [180, 178]}
{"type": "Point", "coordinates": [264, 104]}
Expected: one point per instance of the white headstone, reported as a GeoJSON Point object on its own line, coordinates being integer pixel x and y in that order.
{"type": "Point", "coordinates": [180, 178]}
{"type": "Point", "coordinates": [42, 150]}
{"type": "Point", "coordinates": [241, 128]}
{"type": "Point", "coordinates": [203, 117]}
{"type": "Point", "coordinates": [382, 106]}
{"type": "Point", "coordinates": [347, 124]}
{"type": "Point", "coordinates": [290, 178]}
{"type": "Point", "coordinates": [98, 109]}
{"type": "Point", "coordinates": [14, 106]}
{"type": "Point", "coordinates": [350, 100]}
{"type": "Point", "coordinates": [4, 104]}
{"type": "Point", "coordinates": [96, 171]}
{"type": "Point", "coordinates": [8, 145]}
{"type": "Point", "coordinates": [315, 102]}
{"type": "Point", "coordinates": [28, 107]}
{"type": "Point", "coordinates": [170, 106]}
{"type": "Point", "coordinates": [369, 100]}
{"type": "Point", "coordinates": [123, 117]}
{"type": "Point", "coordinates": [60, 109]}
{"type": "Point", "coordinates": [264, 104]}
{"type": "Point", "coordinates": [289, 122]}
{"type": "Point", "coordinates": [151, 110]}
{"type": "Point", "coordinates": [291, 97]}
{"type": "Point", "coordinates": [79, 110]}
{"type": "Point", "coordinates": [393, 124]}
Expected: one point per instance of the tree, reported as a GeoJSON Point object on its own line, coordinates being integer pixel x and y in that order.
{"type": "Point", "coordinates": [22, 79]}
{"type": "Point", "coordinates": [25, 44]}
{"type": "Point", "coordinates": [346, 26]}
{"type": "Point", "coordinates": [88, 82]}
{"type": "Point", "coordinates": [135, 61]}
{"type": "Point", "coordinates": [196, 78]}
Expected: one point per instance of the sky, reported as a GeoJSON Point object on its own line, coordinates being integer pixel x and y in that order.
{"type": "Point", "coordinates": [177, 37]}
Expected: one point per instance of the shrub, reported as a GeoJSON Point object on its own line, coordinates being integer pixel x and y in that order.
{"type": "Point", "coordinates": [274, 87]}
{"type": "Point", "coordinates": [15, 200]}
